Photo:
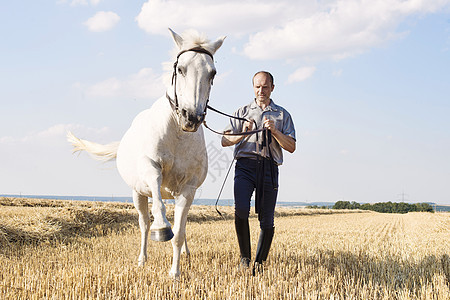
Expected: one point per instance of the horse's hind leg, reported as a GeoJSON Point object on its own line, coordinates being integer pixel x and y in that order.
{"type": "Point", "coordinates": [184, 248]}
{"type": "Point", "coordinates": [141, 204]}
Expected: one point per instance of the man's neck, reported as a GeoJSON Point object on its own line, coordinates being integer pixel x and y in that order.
{"type": "Point", "coordinates": [263, 104]}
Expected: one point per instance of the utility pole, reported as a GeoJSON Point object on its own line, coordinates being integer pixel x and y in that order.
{"type": "Point", "coordinates": [403, 196]}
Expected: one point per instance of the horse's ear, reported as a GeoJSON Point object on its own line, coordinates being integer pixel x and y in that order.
{"type": "Point", "coordinates": [177, 38]}
{"type": "Point", "coordinates": [216, 45]}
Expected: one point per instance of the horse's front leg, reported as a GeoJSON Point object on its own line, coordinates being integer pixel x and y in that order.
{"type": "Point", "coordinates": [182, 205]}
{"type": "Point", "coordinates": [160, 230]}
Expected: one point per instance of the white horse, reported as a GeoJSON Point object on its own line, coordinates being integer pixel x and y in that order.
{"type": "Point", "coordinates": [163, 153]}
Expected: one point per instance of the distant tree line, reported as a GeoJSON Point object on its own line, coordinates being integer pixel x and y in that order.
{"type": "Point", "coordinates": [385, 207]}
{"type": "Point", "coordinates": [318, 207]}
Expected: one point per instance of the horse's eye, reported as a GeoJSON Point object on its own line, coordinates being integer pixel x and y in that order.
{"type": "Point", "coordinates": [180, 71]}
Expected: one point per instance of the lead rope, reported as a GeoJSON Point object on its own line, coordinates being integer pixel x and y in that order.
{"type": "Point", "coordinates": [267, 138]}
{"type": "Point", "coordinates": [247, 133]}
{"type": "Point", "coordinates": [223, 184]}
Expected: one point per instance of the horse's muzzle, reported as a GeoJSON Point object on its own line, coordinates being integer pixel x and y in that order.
{"type": "Point", "coordinates": [191, 121]}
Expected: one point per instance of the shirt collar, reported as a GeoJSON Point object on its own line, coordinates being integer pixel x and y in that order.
{"type": "Point", "coordinates": [272, 106]}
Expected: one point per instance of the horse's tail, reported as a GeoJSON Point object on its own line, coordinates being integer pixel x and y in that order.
{"type": "Point", "coordinates": [97, 151]}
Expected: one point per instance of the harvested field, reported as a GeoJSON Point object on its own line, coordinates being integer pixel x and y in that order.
{"type": "Point", "coordinates": [88, 250]}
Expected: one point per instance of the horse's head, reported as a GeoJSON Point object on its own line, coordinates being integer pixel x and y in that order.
{"type": "Point", "coordinates": [192, 79]}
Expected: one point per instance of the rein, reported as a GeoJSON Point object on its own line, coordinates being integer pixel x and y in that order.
{"type": "Point", "coordinates": [233, 117]}
{"type": "Point", "coordinates": [233, 134]}
{"type": "Point", "coordinates": [175, 105]}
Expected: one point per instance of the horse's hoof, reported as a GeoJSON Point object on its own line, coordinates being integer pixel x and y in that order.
{"type": "Point", "coordinates": [175, 276]}
{"type": "Point", "coordinates": [161, 235]}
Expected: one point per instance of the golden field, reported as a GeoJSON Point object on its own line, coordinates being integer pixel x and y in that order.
{"type": "Point", "coordinates": [53, 249]}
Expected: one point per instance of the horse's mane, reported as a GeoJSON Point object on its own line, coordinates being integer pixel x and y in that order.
{"type": "Point", "coordinates": [193, 38]}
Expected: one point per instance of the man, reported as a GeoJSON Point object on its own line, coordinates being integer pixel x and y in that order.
{"type": "Point", "coordinates": [258, 157]}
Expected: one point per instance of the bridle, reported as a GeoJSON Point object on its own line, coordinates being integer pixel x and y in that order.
{"type": "Point", "coordinates": [175, 105]}
{"type": "Point", "coordinates": [174, 102]}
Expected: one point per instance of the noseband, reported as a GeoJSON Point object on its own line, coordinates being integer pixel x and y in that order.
{"type": "Point", "coordinates": [174, 102]}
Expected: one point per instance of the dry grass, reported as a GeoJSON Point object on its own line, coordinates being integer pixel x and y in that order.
{"type": "Point", "coordinates": [87, 250]}
{"type": "Point", "coordinates": [37, 220]}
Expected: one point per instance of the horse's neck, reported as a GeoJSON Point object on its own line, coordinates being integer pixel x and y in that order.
{"type": "Point", "coordinates": [173, 128]}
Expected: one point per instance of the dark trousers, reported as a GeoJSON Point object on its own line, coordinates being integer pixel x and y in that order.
{"type": "Point", "coordinates": [260, 175]}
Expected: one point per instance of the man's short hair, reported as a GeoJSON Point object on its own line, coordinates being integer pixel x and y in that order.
{"type": "Point", "coordinates": [263, 72]}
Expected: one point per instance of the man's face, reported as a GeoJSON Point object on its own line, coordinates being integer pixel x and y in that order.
{"type": "Point", "coordinates": [263, 87]}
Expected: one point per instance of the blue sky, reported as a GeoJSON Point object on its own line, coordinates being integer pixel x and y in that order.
{"type": "Point", "coordinates": [367, 83]}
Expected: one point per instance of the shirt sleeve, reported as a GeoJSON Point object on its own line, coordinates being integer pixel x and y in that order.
{"type": "Point", "coordinates": [288, 126]}
{"type": "Point", "coordinates": [235, 125]}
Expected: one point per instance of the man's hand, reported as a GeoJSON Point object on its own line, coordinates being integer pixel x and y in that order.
{"type": "Point", "coordinates": [286, 142]}
{"type": "Point", "coordinates": [247, 126]}
{"type": "Point", "coordinates": [233, 140]}
{"type": "Point", "coordinates": [270, 124]}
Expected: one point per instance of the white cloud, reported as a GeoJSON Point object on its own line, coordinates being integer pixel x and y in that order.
{"type": "Point", "coordinates": [290, 29]}
{"type": "Point", "coordinates": [142, 85]}
{"type": "Point", "coordinates": [213, 17]}
{"type": "Point", "coordinates": [61, 130]}
{"type": "Point", "coordinates": [54, 133]}
{"type": "Point", "coordinates": [301, 74]}
{"type": "Point", "coordinates": [344, 152]}
{"type": "Point", "coordinates": [79, 2]}
{"type": "Point", "coordinates": [337, 73]}
{"type": "Point", "coordinates": [341, 29]}
{"type": "Point", "coordinates": [102, 21]}
{"type": "Point", "coordinates": [7, 140]}
{"type": "Point", "coordinates": [222, 77]}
